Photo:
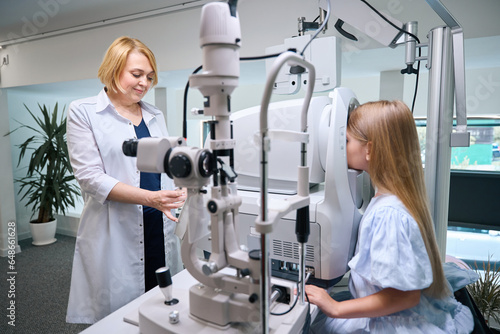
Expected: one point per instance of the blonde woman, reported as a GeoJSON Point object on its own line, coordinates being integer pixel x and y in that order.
{"type": "Point", "coordinates": [126, 228]}
{"type": "Point", "coordinates": [397, 279]}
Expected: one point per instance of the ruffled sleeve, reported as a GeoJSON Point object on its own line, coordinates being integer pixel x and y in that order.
{"type": "Point", "coordinates": [391, 252]}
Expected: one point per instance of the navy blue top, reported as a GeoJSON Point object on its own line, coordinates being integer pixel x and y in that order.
{"type": "Point", "coordinates": [154, 243]}
{"type": "Point", "coordinates": [149, 181]}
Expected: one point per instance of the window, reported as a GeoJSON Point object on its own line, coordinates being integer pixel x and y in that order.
{"type": "Point", "coordinates": [483, 154]}
{"type": "Point", "coordinates": [473, 223]}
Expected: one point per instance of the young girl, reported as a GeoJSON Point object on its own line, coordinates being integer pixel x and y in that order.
{"type": "Point", "coordinates": [397, 278]}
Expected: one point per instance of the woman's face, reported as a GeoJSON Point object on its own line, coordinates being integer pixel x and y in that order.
{"type": "Point", "coordinates": [136, 77]}
{"type": "Point", "coordinates": [357, 153]}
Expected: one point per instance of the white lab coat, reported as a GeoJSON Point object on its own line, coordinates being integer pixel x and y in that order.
{"type": "Point", "coordinates": [108, 265]}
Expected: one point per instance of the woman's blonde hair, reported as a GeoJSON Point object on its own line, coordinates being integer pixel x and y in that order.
{"type": "Point", "coordinates": [116, 57]}
{"type": "Point", "coordinates": [395, 164]}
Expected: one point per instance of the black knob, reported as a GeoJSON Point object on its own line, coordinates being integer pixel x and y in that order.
{"type": "Point", "coordinates": [255, 254]}
{"type": "Point", "coordinates": [129, 147]}
{"type": "Point", "coordinates": [253, 298]}
{"type": "Point", "coordinates": [163, 277]}
{"type": "Point", "coordinates": [212, 206]}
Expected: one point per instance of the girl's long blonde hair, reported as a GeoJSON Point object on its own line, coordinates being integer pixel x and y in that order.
{"type": "Point", "coordinates": [395, 164]}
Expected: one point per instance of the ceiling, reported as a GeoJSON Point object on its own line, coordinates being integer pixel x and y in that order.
{"type": "Point", "coordinates": [479, 18]}
{"type": "Point", "coordinates": [21, 18]}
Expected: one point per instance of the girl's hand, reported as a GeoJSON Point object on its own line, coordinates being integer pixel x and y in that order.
{"type": "Point", "coordinates": [322, 299]}
{"type": "Point", "coordinates": [166, 200]}
{"type": "Point", "coordinates": [384, 302]}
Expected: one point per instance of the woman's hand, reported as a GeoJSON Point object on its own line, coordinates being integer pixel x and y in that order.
{"type": "Point", "coordinates": [166, 200]}
{"type": "Point", "coordinates": [163, 200]}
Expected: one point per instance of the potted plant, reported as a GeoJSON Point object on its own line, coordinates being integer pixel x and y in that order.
{"type": "Point", "coordinates": [486, 293]}
{"type": "Point", "coordinates": [49, 185]}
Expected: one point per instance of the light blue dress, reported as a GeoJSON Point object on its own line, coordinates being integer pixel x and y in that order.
{"type": "Point", "coordinates": [390, 253]}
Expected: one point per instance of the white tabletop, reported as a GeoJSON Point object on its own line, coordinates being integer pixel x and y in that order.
{"type": "Point", "coordinates": [116, 323]}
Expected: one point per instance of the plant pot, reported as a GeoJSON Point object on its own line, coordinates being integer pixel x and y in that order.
{"type": "Point", "coordinates": [43, 233]}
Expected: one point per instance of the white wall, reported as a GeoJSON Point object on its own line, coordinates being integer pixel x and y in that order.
{"type": "Point", "coordinates": [7, 204]}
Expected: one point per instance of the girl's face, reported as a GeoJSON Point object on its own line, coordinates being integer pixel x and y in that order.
{"type": "Point", "coordinates": [136, 77]}
{"type": "Point", "coordinates": [357, 153]}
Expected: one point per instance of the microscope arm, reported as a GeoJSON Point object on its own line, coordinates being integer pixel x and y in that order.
{"type": "Point", "coordinates": [459, 138]}
{"type": "Point", "coordinates": [360, 16]}
{"type": "Point", "coordinates": [219, 280]}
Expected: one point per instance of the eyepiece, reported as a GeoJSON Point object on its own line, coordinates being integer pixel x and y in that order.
{"type": "Point", "coordinates": [129, 147]}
